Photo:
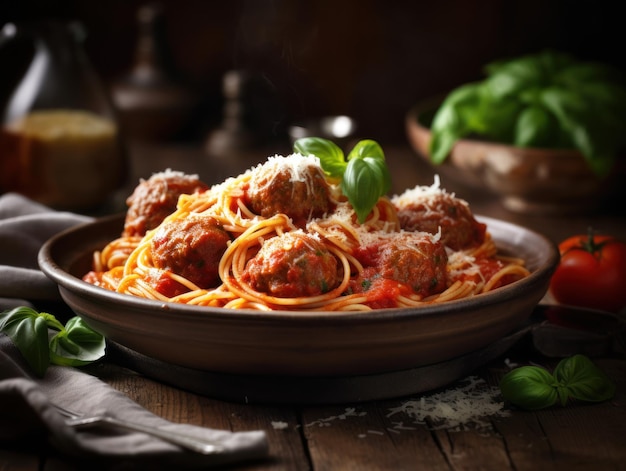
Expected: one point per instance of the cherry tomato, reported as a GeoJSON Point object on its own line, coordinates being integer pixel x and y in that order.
{"type": "Point", "coordinates": [591, 273]}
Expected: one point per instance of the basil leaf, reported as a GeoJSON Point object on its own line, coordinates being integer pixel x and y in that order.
{"type": "Point", "coordinates": [51, 321]}
{"type": "Point", "coordinates": [77, 345]}
{"type": "Point", "coordinates": [553, 62]}
{"type": "Point", "coordinates": [29, 332]}
{"type": "Point", "coordinates": [367, 149]}
{"type": "Point", "coordinates": [364, 178]}
{"type": "Point", "coordinates": [74, 344]}
{"type": "Point", "coordinates": [441, 144]}
{"type": "Point", "coordinates": [586, 130]}
{"type": "Point", "coordinates": [454, 119]}
{"type": "Point", "coordinates": [510, 78]}
{"type": "Point", "coordinates": [534, 128]}
{"type": "Point", "coordinates": [496, 118]}
{"type": "Point", "coordinates": [584, 380]}
{"type": "Point", "coordinates": [363, 183]}
{"type": "Point", "coordinates": [529, 387]}
{"type": "Point", "coordinates": [330, 154]}
{"type": "Point", "coordinates": [581, 73]}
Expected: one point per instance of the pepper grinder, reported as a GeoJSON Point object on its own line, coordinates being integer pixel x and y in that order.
{"type": "Point", "coordinates": [152, 104]}
{"type": "Point", "coordinates": [234, 133]}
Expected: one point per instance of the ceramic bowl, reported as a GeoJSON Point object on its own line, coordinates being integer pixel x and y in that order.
{"type": "Point", "coordinates": [246, 342]}
{"type": "Point", "coordinates": [527, 180]}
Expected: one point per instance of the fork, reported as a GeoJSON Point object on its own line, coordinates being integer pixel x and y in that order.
{"type": "Point", "coordinates": [76, 420]}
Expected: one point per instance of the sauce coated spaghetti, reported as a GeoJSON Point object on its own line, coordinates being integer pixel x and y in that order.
{"type": "Point", "coordinates": [282, 236]}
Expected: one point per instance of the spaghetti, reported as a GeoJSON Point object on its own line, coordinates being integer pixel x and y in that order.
{"type": "Point", "coordinates": [282, 236]}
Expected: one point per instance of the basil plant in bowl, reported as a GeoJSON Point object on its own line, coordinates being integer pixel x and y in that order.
{"type": "Point", "coordinates": [545, 131]}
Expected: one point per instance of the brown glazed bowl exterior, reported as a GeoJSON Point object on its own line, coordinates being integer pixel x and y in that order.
{"type": "Point", "coordinates": [527, 180]}
{"type": "Point", "coordinates": [285, 343]}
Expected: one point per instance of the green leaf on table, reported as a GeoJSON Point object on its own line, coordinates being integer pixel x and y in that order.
{"type": "Point", "coordinates": [77, 344]}
{"type": "Point", "coordinates": [584, 380]}
{"type": "Point", "coordinates": [576, 377]}
{"type": "Point", "coordinates": [29, 332]}
{"type": "Point", "coordinates": [529, 387]}
{"type": "Point", "coordinates": [42, 339]}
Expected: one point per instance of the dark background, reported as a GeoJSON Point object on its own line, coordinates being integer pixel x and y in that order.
{"type": "Point", "coordinates": [371, 59]}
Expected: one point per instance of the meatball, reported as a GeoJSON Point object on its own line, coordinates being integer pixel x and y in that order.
{"type": "Point", "coordinates": [293, 265]}
{"type": "Point", "coordinates": [192, 248]}
{"type": "Point", "coordinates": [156, 198]}
{"type": "Point", "coordinates": [459, 228]}
{"type": "Point", "coordinates": [416, 261]}
{"type": "Point", "coordinates": [289, 185]}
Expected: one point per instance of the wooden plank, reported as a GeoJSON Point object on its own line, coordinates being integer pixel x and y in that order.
{"type": "Point", "coordinates": [526, 442]}
{"type": "Point", "coordinates": [280, 423]}
{"type": "Point", "coordinates": [282, 427]}
{"type": "Point", "coordinates": [474, 450]}
{"type": "Point", "coordinates": [364, 437]}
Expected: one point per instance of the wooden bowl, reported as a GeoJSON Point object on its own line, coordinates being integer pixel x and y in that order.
{"type": "Point", "coordinates": [527, 180]}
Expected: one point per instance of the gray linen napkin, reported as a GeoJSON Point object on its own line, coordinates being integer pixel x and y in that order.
{"type": "Point", "coordinates": [26, 402]}
{"type": "Point", "coordinates": [24, 226]}
{"type": "Point", "coordinates": [26, 409]}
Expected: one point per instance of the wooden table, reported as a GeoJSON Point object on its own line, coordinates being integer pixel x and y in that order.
{"type": "Point", "coordinates": [386, 435]}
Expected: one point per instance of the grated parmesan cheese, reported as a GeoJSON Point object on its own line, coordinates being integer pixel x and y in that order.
{"type": "Point", "coordinates": [430, 197]}
{"type": "Point", "coordinates": [279, 425]}
{"type": "Point", "coordinates": [326, 422]}
{"type": "Point", "coordinates": [296, 165]}
{"type": "Point", "coordinates": [169, 173]}
{"type": "Point", "coordinates": [405, 238]}
{"type": "Point", "coordinates": [466, 407]}
{"type": "Point", "coordinates": [421, 193]}
{"type": "Point", "coordinates": [466, 263]}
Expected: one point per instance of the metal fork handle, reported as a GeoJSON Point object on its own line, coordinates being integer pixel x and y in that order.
{"type": "Point", "coordinates": [186, 441]}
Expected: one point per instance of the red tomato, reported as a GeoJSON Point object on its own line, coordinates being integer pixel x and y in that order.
{"type": "Point", "coordinates": [591, 273]}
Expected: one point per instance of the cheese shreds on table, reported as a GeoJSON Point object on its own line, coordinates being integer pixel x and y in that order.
{"type": "Point", "coordinates": [326, 422]}
{"type": "Point", "coordinates": [467, 407]}
{"type": "Point", "coordinates": [471, 405]}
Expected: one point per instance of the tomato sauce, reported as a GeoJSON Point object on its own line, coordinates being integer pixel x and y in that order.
{"type": "Point", "coordinates": [165, 285]}
{"type": "Point", "coordinates": [380, 292]}
{"type": "Point", "coordinates": [94, 278]}
{"type": "Point", "coordinates": [487, 269]}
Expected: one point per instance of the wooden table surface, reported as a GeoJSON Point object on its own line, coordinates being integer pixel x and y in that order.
{"type": "Point", "coordinates": [387, 434]}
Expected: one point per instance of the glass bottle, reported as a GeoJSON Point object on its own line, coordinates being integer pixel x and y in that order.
{"type": "Point", "coordinates": [59, 139]}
